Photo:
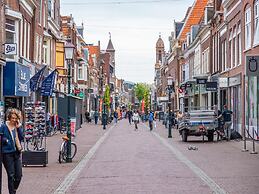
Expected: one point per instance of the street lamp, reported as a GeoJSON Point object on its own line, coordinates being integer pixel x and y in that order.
{"type": "Point", "coordinates": [170, 88]}
{"type": "Point", "coordinates": [69, 52]}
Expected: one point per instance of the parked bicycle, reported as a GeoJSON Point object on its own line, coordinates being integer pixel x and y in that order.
{"type": "Point", "coordinates": [63, 150]}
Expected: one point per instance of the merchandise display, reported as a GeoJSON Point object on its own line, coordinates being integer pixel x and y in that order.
{"type": "Point", "coordinates": [35, 125]}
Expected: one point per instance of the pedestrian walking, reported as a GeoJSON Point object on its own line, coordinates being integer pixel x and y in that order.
{"type": "Point", "coordinates": [96, 115]}
{"type": "Point", "coordinates": [129, 116]}
{"type": "Point", "coordinates": [150, 120]}
{"type": "Point", "coordinates": [115, 115]}
{"type": "Point", "coordinates": [226, 115]}
{"type": "Point", "coordinates": [135, 119]}
{"type": "Point", "coordinates": [12, 148]}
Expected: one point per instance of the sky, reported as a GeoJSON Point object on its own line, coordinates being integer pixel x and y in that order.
{"type": "Point", "coordinates": [134, 25]}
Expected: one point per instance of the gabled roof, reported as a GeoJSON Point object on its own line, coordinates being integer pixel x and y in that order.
{"type": "Point", "coordinates": [110, 46]}
{"type": "Point", "coordinates": [92, 50]}
{"type": "Point", "coordinates": [193, 18]}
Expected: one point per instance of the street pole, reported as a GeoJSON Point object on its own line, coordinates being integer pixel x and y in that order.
{"type": "Point", "coordinates": [104, 116]}
{"type": "Point", "coordinates": [69, 159]}
{"type": "Point", "coordinates": [170, 115]}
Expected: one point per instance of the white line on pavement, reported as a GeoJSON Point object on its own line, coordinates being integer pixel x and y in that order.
{"type": "Point", "coordinates": [200, 173]}
{"type": "Point", "coordinates": [71, 177]}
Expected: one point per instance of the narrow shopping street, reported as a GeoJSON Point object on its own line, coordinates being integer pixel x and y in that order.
{"type": "Point", "coordinates": [121, 160]}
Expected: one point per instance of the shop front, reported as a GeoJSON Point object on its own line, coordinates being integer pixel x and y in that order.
{"type": "Point", "coordinates": [15, 84]}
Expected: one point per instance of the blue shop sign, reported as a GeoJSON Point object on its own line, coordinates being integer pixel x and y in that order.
{"type": "Point", "coordinates": [16, 79]}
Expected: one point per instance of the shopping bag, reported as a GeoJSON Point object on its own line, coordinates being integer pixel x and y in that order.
{"type": "Point", "coordinates": [154, 124]}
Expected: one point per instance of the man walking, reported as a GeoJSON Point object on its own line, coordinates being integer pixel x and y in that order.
{"type": "Point", "coordinates": [150, 120]}
{"type": "Point", "coordinates": [130, 116]}
{"type": "Point", "coordinates": [226, 115]}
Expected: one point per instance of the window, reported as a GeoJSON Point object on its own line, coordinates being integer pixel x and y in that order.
{"type": "Point", "coordinates": [230, 48]}
{"type": "Point", "coordinates": [248, 28]}
{"type": "Point", "coordinates": [45, 52]}
{"type": "Point", "coordinates": [238, 45]}
{"type": "Point", "coordinates": [10, 33]}
{"type": "Point", "coordinates": [80, 72]}
{"type": "Point", "coordinates": [26, 39]}
{"type": "Point", "coordinates": [234, 48]}
{"type": "Point", "coordinates": [40, 14]}
{"type": "Point", "coordinates": [256, 24]}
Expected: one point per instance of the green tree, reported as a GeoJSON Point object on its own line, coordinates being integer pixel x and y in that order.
{"type": "Point", "coordinates": [140, 90]}
{"type": "Point", "coordinates": [106, 97]}
{"type": "Point", "coordinates": [142, 93]}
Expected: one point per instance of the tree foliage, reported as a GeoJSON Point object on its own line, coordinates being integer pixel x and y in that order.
{"type": "Point", "coordinates": [140, 90]}
{"type": "Point", "coordinates": [106, 97]}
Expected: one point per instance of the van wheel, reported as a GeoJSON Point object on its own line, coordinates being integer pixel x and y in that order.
{"type": "Point", "coordinates": [184, 135]}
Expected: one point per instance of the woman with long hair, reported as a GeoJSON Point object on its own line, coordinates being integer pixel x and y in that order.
{"type": "Point", "coordinates": [12, 137]}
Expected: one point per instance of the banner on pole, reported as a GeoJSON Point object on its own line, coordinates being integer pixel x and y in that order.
{"type": "Point", "coordinates": [48, 84]}
{"type": "Point", "coordinates": [36, 79]}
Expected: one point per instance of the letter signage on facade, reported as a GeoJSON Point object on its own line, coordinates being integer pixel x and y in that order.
{"type": "Point", "coordinates": [10, 49]}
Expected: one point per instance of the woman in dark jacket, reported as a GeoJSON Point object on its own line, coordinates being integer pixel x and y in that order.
{"type": "Point", "coordinates": [12, 137]}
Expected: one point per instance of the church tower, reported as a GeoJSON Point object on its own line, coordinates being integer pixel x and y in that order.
{"type": "Point", "coordinates": [160, 50]}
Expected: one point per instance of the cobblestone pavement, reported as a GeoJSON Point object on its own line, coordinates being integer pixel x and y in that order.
{"type": "Point", "coordinates": [43, 180]}
{"type": "Point", "coordinates": [128, 161]}
{"type": "Point", "coordinates": [142, 162]}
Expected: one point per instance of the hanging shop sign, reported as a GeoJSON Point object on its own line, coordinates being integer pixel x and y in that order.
{"type": "Point", "coordinates": [10, 49]}
{"type": "Point", "coordinates": [211, 86]}
{"type": "Point", "coordinates": [252, 65]}
{"type": "Point", "coordinates": [16, 79]}
{"type": "Point", "coordinates": [233, 81]}
{"type": "Point", "coordinates": [223, 82]}
{"type": "Point", "coordinates": [201, 81]}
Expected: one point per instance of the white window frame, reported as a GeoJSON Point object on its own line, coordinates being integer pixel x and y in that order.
{"type": "Point", "coordinates": [248, 28]}
{"type": "Point", "coordinates": [81, 68]}
{"type": "Point", "coordinates": [256, 23]}
{"type": "Point", "coordinates": [230, 48]}
{"type": "Point", "coordinates": [233, 49]}
{"type": "Point", "coordinates": [239, 43]}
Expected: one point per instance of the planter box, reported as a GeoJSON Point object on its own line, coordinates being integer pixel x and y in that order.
{"type": "Point", "coordinates": [35, 158]}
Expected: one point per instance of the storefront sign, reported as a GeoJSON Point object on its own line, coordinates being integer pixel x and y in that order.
{"type": "Point", "coordinates": [201, 81]}
{"type": "Point", "coordinates": [233, 81]}
{"type": "Point", "coordinates": [10, 49]}
{"type": "Point", "coordinates": [223, 82]}
{"type": "Point", "coordinates": [212, 86]}
{"type": "Point", "coordinates": [252, 65]}
{"type": "Point", "coordinates": [16, 79]}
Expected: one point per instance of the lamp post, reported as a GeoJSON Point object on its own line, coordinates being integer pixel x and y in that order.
{"type": "Point", "coordinates": [170, 88]}
{"type": "Point", "coordinates": [69, 51]}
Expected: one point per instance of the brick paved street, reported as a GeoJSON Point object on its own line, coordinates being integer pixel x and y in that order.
{"type": "Point", "coordinates": [129, 161]}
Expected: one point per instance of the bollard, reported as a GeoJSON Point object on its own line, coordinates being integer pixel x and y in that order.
{"type": "Point", "coordinates": [253, 152]}
{"type": "Point", "coordinates": [244, 138]}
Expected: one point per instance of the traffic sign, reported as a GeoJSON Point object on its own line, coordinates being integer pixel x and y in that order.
{"type": "Point", "coordinates": [252, 65]}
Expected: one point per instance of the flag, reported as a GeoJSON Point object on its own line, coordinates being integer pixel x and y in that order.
{"type": "Point", "coordinates": [48, 83]}
{"type": "Point", "coordinates": [35, 80]}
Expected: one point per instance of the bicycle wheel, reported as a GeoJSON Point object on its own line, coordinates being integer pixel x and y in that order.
{"type": "Point", "coordinates": [63, 151]}
{"type": "Point", "coordinates": [73, 150]}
